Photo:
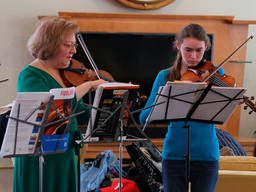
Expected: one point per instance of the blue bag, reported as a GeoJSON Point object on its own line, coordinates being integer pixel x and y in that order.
{"type": "Point", "coordinates": [92, 176]}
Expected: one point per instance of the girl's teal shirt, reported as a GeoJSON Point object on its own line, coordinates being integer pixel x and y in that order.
{"type": "Point", "coordinates": [204, 144]}
{"type": "Point", "coordinates": [59, 170]}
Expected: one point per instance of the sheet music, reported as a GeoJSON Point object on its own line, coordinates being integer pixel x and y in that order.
{"type": "Point", "coordinates": [31, 109]}
{"type": "Point", "coordinates": [178, 99]}
{"type": "Point", "coordinates": [26, 134]}
{"type": "Point", "coordinates": [215, 107]}
{"type": "Point", "coordinates": [115, 88]}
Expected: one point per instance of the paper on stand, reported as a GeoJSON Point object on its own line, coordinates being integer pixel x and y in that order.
{"type": "Point", "coordinates": [21, 138]}
{"type": "Point", "coordinates": [176, 109]}
{"type": "Point", "coordinates": [216, 107]}
{"type": "Point", "coordinates": [179, 98]}
{"type": "Point", "coordinates": [26, 134]}
{"type": "Point", "coordinates": [104, 99]}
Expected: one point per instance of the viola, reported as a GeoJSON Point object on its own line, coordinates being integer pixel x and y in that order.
{"type": "Point", "coordinates": [207, 73]}
{"type": "Point", "coordinates": [77, 74]}
{"type": "Point", "coordinates": [249, 103]}
{"type": "Point", "coordinates": [58, 111]}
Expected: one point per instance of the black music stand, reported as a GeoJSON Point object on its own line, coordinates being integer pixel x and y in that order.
{"type": "Point", "coordinates": [38, 149]}
{"type": "Point", "coordinates": [3, 80]}
{"type": "Point", "coordinates": [191, 102]}
{"type": "Point", "coordinates": [119, 132]}
{"type": "Point", "coordinates": [120, 109]}
{"type": "Point", "coordinates": [38, 145]}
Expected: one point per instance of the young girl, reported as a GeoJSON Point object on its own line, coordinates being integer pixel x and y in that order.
{"type": "Point", "coordinates": [191, 43]}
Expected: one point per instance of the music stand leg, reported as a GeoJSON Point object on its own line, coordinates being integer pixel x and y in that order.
{"type": "Point", "coordinates": [187, 157]}
{"type": "Point", "coordinates": [189, 115]}
{"type": "Point", "coordinates": [120, 155]}
{"type": "Point", "coordinates": [41, 164]}
{"type": "Point", "coordinates": [78, 171]}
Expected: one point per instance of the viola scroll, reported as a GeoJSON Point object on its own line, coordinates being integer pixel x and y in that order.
{"type": "Point", "coordinates": [249, 103]}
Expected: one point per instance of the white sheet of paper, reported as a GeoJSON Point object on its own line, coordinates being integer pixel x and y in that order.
{"type": "Point", "coordinates": [214, 107]}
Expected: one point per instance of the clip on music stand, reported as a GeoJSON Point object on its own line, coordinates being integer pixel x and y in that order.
{"type": "Point", "coordinates": [194, 102]}
{"type": "Point", "coordinates": [38, 149]}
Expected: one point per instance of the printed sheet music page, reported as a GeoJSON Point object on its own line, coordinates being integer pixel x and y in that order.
{"type": "Point", "coordinates": [20, 138]}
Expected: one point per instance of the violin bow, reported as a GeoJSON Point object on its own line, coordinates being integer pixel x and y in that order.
{"type": "Point", "coordinates": [226, 60]}
{"type": "Point", "coordinates": [86, 51]}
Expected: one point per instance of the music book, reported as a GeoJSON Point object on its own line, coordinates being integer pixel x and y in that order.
{"type": "Point", "coordinates": [176, 100]}
{"type": "Point", "coordinates": [22, 136]}
{"type": "Point", "coordinates": [106, 110]}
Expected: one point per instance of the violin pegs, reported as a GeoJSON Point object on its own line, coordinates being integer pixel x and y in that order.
{"type": "Point", "coordinates": [250, 112]}
{"type": "Point", "coordinates": [252, 98]}
{"type": "Point", "coordinates": [245, 107]}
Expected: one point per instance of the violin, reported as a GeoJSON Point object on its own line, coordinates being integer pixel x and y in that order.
{"type": "Point", "coordinates": [202, 73]}
{"type": "Point", "coordinates": [76, 73]}
{"type": "Point", "coordinates": [207, 73]}
{"type": "Point", "coordinates": [59, 110]}
{"type": "Point", "coordinates": [249, 103]}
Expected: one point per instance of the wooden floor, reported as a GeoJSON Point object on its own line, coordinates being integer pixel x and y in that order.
{"type": "Point", "coordinates": [93, 149]}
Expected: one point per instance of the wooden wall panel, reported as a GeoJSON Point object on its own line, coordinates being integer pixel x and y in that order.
{"type": "Point", "coordinates": [227, 37]}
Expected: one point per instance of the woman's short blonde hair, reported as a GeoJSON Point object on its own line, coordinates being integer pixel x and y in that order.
{"type": "Point", "coordinates": [49, 34]}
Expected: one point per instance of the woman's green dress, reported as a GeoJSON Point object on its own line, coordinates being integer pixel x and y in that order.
{"type": "Point", "coordinates": [59, 170]}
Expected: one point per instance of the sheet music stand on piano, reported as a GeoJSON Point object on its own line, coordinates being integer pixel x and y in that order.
{"type": "Point", "coordinates": [194, 102]}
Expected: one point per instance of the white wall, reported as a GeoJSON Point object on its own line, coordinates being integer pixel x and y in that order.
{"type": "Point", "coordinates": [17, 20]}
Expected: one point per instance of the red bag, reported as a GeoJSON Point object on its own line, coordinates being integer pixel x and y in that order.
{"type": "Point", "coordinates": [127, 186]}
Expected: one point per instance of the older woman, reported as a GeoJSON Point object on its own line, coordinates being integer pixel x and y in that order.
{"type": "Point", "coordinates": [52, 44]}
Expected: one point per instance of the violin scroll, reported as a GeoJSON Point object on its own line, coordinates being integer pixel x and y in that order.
{"type": "Point", "coordinates": [249, 103]}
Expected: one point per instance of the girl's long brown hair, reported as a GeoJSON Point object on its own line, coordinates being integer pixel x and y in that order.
{"type": "Point", "coordinates": [191, 30]}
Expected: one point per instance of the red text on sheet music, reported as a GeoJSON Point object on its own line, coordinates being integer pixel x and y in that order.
{"type": "Point", "coordinates": [67, 92]}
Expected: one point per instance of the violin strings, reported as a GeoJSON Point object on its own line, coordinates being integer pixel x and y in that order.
{"type": "Point", "coordinates": [218, 82]}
